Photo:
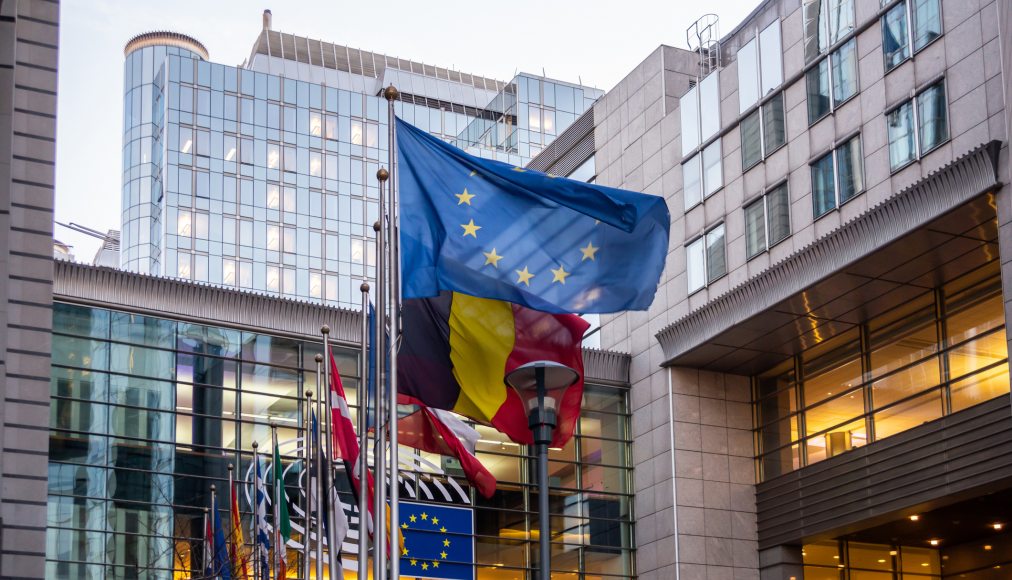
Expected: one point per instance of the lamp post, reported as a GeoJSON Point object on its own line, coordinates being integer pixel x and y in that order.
{"type": "Point", "coordinates": [540, 384]}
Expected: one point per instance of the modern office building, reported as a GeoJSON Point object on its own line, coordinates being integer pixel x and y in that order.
{"type": "Point", "coordinates": [262, 176]}
{"type": "Point", "coordinates": [29, 40]}
{"type": "Point", "coordinates": [820, 389]}
{"type": "Point", "coordinates": [158, 384]}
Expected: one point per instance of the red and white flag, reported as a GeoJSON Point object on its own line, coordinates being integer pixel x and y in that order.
{"type": "Point", "coordinates": [345, 441]}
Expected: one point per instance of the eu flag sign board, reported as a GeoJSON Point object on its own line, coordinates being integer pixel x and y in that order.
{"type": "Point", "coordinates": [438, 541]}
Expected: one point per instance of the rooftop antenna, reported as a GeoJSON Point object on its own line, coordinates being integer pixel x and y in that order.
{"type": "Point", "coordinates": [703, 37]}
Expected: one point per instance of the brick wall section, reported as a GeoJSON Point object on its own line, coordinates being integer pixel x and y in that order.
{"type": "Point", "coordinates": [29, 35]}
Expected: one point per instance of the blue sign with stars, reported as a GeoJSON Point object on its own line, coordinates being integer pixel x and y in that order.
{"type": "Point", "coordinates": [488, 229]}
{"type": "Point", "coordinates": [438, 541]}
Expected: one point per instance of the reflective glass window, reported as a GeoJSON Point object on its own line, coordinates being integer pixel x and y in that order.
{"type": "Point", "coordinates": [932, 117]}
{"type": "Point", "coordinates": [689, 110]}
{"type": "Point", "coordinates": [895, 41]}
{"type": "Point", "coordinates": [716, 264]}
{"type": "Point", "coordinates": [927, 22]}
{"type": "Point", "coordinates": [692, 181]}
{"type": "Point", "coordinates": [695, 265]}
{"type": "Point", "coordinates": [900, 125]}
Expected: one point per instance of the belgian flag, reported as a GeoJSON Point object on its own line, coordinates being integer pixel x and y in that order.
{"type": "Point", "coordinates": [456, 350]}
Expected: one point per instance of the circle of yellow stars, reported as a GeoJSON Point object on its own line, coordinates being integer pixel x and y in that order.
{"type": "Point", "coordinates": [493, 257]}
{"type": "Point", "coordinates": [405, 552]}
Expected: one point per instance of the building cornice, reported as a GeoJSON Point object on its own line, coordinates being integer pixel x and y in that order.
{"type": "Point", "coordinates": [967, 177]}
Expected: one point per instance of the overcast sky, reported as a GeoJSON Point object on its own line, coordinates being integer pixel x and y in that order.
{"type": "Point", "coordinates": [594, 41]}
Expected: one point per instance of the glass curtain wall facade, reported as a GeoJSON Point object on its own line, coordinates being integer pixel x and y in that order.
{"type": "Point", "coordinates": [256, 181]}
{"type": "Point", "coordinates": [937, 354]}
{"type": "Point", "coordinates": [148, 412]}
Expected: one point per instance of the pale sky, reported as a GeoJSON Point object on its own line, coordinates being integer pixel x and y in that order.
{"type": "Point", "coordinates": [594, 41]}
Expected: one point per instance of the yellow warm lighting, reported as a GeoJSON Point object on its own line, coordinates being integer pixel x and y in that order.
{"type": "Point", "coordinates": [998, 526]}
{"type": "Point", "coordinates": [987, 547]}
{"type": "Point", "coordinates": [915, 517]}
{"type": "Point", "coordinates": [934, 543]}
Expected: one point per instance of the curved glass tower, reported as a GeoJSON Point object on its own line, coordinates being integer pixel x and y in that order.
{"type": "Point", "coordinates": [144, 124]}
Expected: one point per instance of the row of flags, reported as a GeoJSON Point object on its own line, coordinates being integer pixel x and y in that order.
{"type": "Point", "coordinates": [495, 261]}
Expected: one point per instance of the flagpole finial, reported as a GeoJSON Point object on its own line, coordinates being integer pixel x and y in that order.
{"type": "Point", "coordinates": [255, 445]}
{"type": "Point", "coordinates": [206, 510]}
{"type": "Point", "coordinates": [309, 394]}
{"type": "Point", "coordinates": [272, 423]}
{"type": "Point", "coordinates": [376, 226]}
{"type": "Point", "coordinates": [364, 287]}
{"type": "Point", "coordinates": [231, 467]}
{"type": "Point", "coordinates": [213, 487]}
{"type": "Point", "coordinates": [382, 174]}
{"type": "Point", "coordinates": [325, 329]}
{"type": "Point", "coordinates": [319, 358]}
{"type": "Point", "coordinates": [390, 93]}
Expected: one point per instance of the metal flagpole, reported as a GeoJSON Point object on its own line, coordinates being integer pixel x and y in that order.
{"type": "Point", "coordinates": [276, 506]}
{"type": "Point", "coordinates": [257, 560]}
{"type": "Point", "coordinates": [363, 441]}
{"type": "Point", "coordinates": [379, 450]}
{"type": "Point", "coordinates": [207, 545]}
{"type": "Point", "coordinates": [228, 501]}
{"type": "Point", "coordinates": [334, 550]}
{"type": "Point", "coordinates": [319, 470]}
{"type": "Point", "coordinates": [394, 300]}
{"type": "Point", "coordinates": [307, 488]}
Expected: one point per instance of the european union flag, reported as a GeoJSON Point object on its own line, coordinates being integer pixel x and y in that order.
{"type": "Point", "coordinates": [492, 230]}
{"type": "Point", "coordinates": [438, 541]}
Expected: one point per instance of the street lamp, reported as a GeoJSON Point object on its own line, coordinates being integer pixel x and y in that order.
{"type": "Point", "coordinates": [540, 384]}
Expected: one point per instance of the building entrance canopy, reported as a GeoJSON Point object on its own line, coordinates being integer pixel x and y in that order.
{"type": "Point", "coordinates": [930, 233]}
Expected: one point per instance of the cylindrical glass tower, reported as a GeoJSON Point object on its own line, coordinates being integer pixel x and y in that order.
{"type": "Point", "coordinates": [144, 80]}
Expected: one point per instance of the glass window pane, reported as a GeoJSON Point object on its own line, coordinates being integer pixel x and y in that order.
{"type": "Point", "coordinates": [931, 109]}
{"type": "Point", "coordinates": [815, 23]}
{"type": "Point", "coordinates": [817, 80]}
{"type": "Point", "coordinates": [692, 181]}
{"type": "Point", "coordinates": [895, 47]}
{"type": "Point", "coordinates": [780, 461]}
{"type": "Point", "coordinates": [977, 354]}
{"type": "Point", "coordinates": [748, 79]}
{"type": "Point", "coordinates": [905, 383]}
{"type": "Point", "coordinates": [850, 169]}
{"type": "Point", "coordinates": [837, 441]}
{"type": "Point", "coordinates": [900, 124]}
{"type": "Point", "coordinates": [755, 228]}
{"type": "Point", "coordinates": [908, 339]}
{"type": "Point", "coordinates": [774, 131]}
{"type": "Point", "coordinates": [751, 141]}
{"type": "Point", "coordinates": [841, 18]}
{"type": "Point", "coordinates": [980, 387]}
{"type": "Point", "coordinates": [927, 23]}
{"type": "Point", "coordinates": [716, 265]}
{"type": "Point", "coordinates": [688, 107]}
{"type": "Point", "coordinates": [845, 72]}
{"type": "Point", "coordinates": [870, 556]}
{"type": "Point", "coordinates": [973, 312]}
{"type": "Point", "coordinates": [712, 175]}
{"type": "Point", "coordinates": [709, 106]}
{"type": "Point", "coordinates": [908, 415]}
{"type": "Point", "coordinates": [695, 265]}
{"type": "Point", "coordinates": [778, 214]}
{"type": "Point", "coordinates": [770, 56]}
{"type": "Point", "coordinates": [914, 559]}
{"type": "Point", "coordinates": [823, 188]}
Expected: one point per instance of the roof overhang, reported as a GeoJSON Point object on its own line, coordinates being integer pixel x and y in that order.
{"type": "Point", "coordinates": [930, 232]}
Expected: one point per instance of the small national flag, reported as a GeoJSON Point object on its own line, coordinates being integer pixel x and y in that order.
{"type": "Point", "coordinates": [456, 349]}
{"type": "Point", "coordinates": [439, 431]}
{"type": "Point", "coordinates": [283, 524]}
{"type": "Point", "coordinates": [438, 541]}
{"type": "Point", "coordinates": [263, 535]}
{"type": "Point", "coordinates": [485, 228]}
{"type": "Point", "coordinates": [237, 547]}
{"type": "Point", "coordinates": [208, 547]}
{"type": "Point", "coordinates": [331, 502]}
{"type": "Point", "coordinates": [345, 441]}
{"type": "Point", "coordinates": [222, 562]}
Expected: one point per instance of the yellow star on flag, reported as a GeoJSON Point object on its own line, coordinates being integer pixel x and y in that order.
{"type": "Point", "coordinates": [442, 554]}
{"type": "Point", "coordinates": [519, 170]}
{"type": "Point", "coordinates": [412, 518]}
{"type": "Point", "coordinates": [492, 258]}
{"type": "Point", "coordinates": [524, 277]}
{"type": "Point", "coordinates": [589, 251]}
{"type": "Point", "coordinates": [560, 274]}
{"type": "Point", "coordinates": [404, 551]}
{"type": "Point", "coordinates": [473, 173]}
{"type": "Point", "coordinates": [404, 525]}
{"type": "Point", "coordinates": [414, 562]}
{"type": "Point", "coordinates": [446, 543]}
{"type": "Point", "coordinates": [470, 229]}
{"type": "Point", "coordinates": [443, 529]}
{"type": "Point", "coordinates": [465, 197]}
{"type": "Point", "coordinates": [425, 565]}
{"type": "Point", "coordinates": [435, 563]}
{"type": "Point", "coordinates": [435, 521]}
{"type": "Point", "coordinates": [425, 516]}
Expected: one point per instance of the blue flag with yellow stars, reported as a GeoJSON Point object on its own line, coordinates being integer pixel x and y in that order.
{"type": "Point", "coordinates": [438, 541]}
{"type": "Point", "coordinates": [492, 230]}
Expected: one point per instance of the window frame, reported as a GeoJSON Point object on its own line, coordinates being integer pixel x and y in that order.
{"type": "Point", "coordinates": [757, 77]}
{"type": "Point", "coordinates": [698, 160]}
{"type": "Point", "coordinates": [914, 101]}
{"type": "Point", "coordinates": [829, 59]}
{"type": "Point", "coordinates": [760, 111]}
{"type": "Point", "coordinates": [702, 239]}
{"type": "Point", "coordinates": [764, 199]}
{"type": "Point", "coordinates": [887, 6]}
{"type": "Point", "coordinates": [837, 146]}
